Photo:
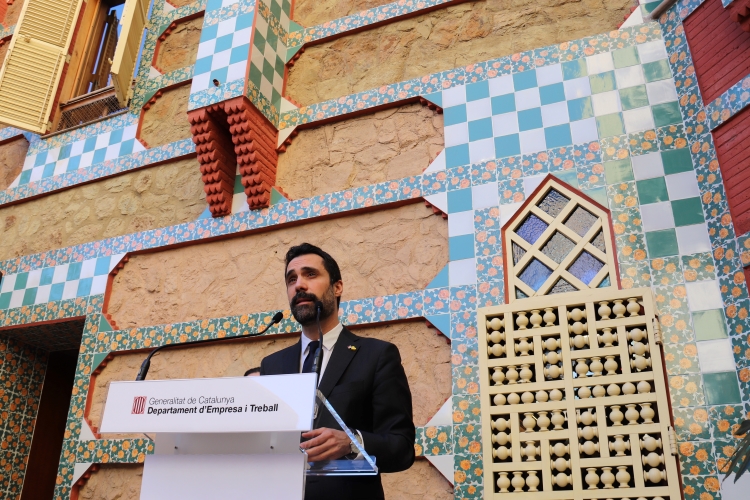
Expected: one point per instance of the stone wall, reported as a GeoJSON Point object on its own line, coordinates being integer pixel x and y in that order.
{"type": "Point", "coordinates": [179, 48]}
{"type": "Point", "coordinates": [12, 156]}
{"type": "Point", "coordinates": [389, 251]}
{"type": "Point", "coordinates": [166, 120]}
{"type": "Point", "coordinates": [312, 12]}
{"type": "Point", "coordinates": [444, 39]}
{"type": "Point", "coordinates": [158, 196]}
{"type": "Point", "coordinates": [113, 482]}
{"type": "Point", "coordinates": [425, 356]}
{"type": "Point", "coordinates": [13, 12]}
{"type": "Point", "coordinates": [389, 144]}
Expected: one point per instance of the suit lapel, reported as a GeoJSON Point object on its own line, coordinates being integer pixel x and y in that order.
{"type": "Point", "coordinates": [290, 362]}
{"type": "Point", "coordinates": [340, 359]}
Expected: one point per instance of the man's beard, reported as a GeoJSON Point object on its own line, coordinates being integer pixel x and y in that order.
{"type": "Point", "coordinates": [306, 314]}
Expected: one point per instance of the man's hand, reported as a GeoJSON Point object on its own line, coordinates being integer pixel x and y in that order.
{"type": "Point", "coordinates": [325, 444]}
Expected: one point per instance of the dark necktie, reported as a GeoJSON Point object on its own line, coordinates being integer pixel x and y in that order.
{"type": "Point", "coordinates": [310, 358]}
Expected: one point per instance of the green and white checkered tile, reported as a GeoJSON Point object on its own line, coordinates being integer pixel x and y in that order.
{"type": "Point", "coordinates": [66, 281]}
{"type": "Point", "coordinates": [613, 93]}
{"type": "Point", "coordinates": [267, 60]}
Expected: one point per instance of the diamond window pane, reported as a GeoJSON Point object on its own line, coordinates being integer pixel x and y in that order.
{"type": "Point", "coordinates": [535, 274]}
{"type": "Point", "coordinates": [581, 220]}
{"type": "Point", "coordinates": [562, 286]}
{"type": "Point", "coordinates": [553, 203]}
{"type": "Point", "coordinates": [598, 242]}
{"type": "Point", "coordinates": [585, 267]}
{"type": "Point", "coordinates": [532, 228]}
{"type": "Point", "coordinates": [558, 247]}
{"type": "Point", "coordinates": [518, 252]}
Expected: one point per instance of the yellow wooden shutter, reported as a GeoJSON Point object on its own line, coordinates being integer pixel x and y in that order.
{"type": "Point", "coordinates": [35, 61]}
{"type": "Point", "coordinates": [123, 63]}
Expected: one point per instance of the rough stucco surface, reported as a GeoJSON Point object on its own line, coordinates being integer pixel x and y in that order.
{"type": "Point", "coordinates": [12, 156]}
{"type": "Point", "coordinates": [155, 197]}
{"type": "Point", "coordinates": [4, 50]}
{"type": "Point", "coordinates": [389, 251]}
{"type": "Point", "coordinates": [386, 145]}
{"type": "Point", "coordinates": [178, 50]}
{"type": "Point", "coordinates": [113, 482]}
{"type": "Point", "coordinates": [425, 356]}
{"type": "Point", "coordinates": [443, 39]}
{"type": "Point", "coordinates": [166, 120]}
{"type": "Point", "coordinates": [312, 12]}
{"type": "Point", "coordinates": [13, 12]}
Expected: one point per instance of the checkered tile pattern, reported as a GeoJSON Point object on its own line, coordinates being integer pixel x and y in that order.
{"type": "Point", "coordinates": [281, 10]}
{"type": "Point", "coordinates": [222, 52]}
{"type": "Point", "coordinates": [607, 94]}
{"type": "Point", "coordinates": [267, 60]}
{"type": "Point", "coordinates": [67, 281]}
{"type": "Point", "coordinates": [79, 154]}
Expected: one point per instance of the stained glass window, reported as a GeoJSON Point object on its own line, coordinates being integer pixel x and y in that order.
{"type": "Point", "coordinates": [598, 242]}
{"type": "Point", "coordinates": [558, 247]}
{"type": "Point", "coordinates": [581, 220]}
{"type": "Point", "coordinates": [532, 228]}
{"type": "Point", "coordinates": [562, 286]}
{"type": "Point", "coordinates": [605, 283]}
{"type": "Point", "coordinates": [518, 252]}
{"type": "Point", "coordinates": [585, 267]}
{"type": "Point", "coordinates": [535, 274]}
{"type": "Point", "coordinates": [553, 203]}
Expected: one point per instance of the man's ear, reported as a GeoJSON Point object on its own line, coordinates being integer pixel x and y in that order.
{"type": "Point", "coordinates": [338, 288]}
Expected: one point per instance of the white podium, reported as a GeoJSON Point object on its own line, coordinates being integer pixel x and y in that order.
{"type": "Point", "coordinates": [229, 438]}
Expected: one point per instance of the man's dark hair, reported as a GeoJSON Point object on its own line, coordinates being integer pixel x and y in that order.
{"type": "Point", "coordinates": [329, 262]}
{"type": "Point", "coordinates": [252, 370]}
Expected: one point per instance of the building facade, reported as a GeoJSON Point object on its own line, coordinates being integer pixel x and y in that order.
{"type": "Point", "coordinates": [542, 204]}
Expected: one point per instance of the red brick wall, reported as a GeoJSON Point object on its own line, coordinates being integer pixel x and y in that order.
{"type": "Point", "coordinates": [732, 141]}
{"type": "Point", "coordinates": [720, 49]}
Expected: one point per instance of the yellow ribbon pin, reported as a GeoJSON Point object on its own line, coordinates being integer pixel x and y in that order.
{"type": "Point", "coordinates": [352, 348]}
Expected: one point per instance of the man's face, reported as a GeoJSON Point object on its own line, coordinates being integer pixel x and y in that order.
{"type": "Point", "coordinates": [307, 281]}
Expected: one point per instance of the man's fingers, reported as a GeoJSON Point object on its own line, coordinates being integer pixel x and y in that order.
{"type": "Point", "coordinates": [313, 432]}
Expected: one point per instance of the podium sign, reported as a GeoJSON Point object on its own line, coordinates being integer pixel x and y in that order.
{"type": "Point", "coordinates": [228, 438]}
{"type": "Point", "coordinates": [280, 403]}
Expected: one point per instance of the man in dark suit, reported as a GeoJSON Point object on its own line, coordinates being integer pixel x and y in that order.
{"type": "Point", "coordinates": [362, 378]}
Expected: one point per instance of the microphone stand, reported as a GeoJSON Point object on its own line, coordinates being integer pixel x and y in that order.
{"type": "Point", "coordinates": [318, 364]}
{"type": "Point", "coordinates": [147, 362]}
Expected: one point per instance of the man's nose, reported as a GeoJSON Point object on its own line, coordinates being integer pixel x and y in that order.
{"type": "Point", "coordinates": [300, 285]}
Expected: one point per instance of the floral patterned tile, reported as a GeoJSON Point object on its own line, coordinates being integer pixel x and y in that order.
{"type": "Point", "coordinates": [681, 358]}
{"type": "Point", "coordinates": [468, 469]}
{"type": "Point", "coordinates": [666, 271]}
{"type": "Point", "coordinates": [696, 458]}
{"type": "Point", "coordinates": [698, 267]}
{"type": "Point", "coordinates": [692, 424]}
{"type": "Point", "coordinates": [701, 487]}
{"type": "Point", "coordinates": [686, 390]}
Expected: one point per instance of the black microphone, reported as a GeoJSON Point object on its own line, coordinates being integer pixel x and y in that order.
{"type": "Point", "coordinates": [147, 362]}
{"type": "Point", "coordinates": [318, 363]}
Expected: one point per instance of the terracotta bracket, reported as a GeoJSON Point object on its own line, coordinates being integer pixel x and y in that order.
{"type": "Point", "coordinates": [228, 134]}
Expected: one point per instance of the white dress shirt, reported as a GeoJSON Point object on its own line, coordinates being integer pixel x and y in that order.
{"type": "Point", "coordinates": [329, 342]}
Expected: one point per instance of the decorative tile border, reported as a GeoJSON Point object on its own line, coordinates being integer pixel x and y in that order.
{"type": "Point", "coordinates": [729, 103]}
{"type": "Point", "coordinates": [98, 171]}
{"type": "Point", "coordinates": [6, 31]}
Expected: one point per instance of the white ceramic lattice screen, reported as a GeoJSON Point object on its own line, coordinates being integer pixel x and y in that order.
{"type": "Point", "coordinates": [558, 242]}
{"type": "Point", "coordinates": [574, 400]}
